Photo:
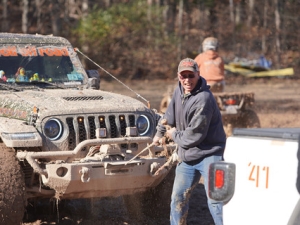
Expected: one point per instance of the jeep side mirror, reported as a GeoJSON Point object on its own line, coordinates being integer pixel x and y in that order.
{"type": "Point", "coordinates": [94, 79]}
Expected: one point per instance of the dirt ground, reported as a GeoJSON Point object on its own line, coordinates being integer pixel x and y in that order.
{"type": "Point", "coordinates": [277, 103]}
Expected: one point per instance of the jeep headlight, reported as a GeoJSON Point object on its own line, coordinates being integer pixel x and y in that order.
{"type": "Point", "coordinates": [53, 129]}
{"type": "Point", "coordinates": [142, 124]}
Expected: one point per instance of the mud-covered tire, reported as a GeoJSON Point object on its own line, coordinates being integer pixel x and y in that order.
{"type": "Point", "coordinates": [12, 188]}
{"type": "Point", "coordinates": [249, 119]}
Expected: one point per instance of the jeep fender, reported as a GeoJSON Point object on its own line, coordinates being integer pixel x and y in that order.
{"type": "Point", "coordinates": [12, 129]}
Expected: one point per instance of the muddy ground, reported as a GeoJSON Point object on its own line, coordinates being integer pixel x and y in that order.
{"type": "Point", "coordinates": [277, 103]}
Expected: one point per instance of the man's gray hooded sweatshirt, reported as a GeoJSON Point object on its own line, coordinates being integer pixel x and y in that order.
{"type": "Point", "coordinates": [197, 118]}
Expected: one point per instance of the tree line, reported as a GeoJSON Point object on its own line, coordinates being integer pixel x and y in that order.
{"type": "Point", "coordinates": [142, 38]}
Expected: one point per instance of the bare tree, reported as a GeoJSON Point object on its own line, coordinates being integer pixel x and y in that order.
{"type": "Point", "coordinates": [249, 23]}
{"type": "Point", "coordinates": [277, 33]}
{"type": "Point", "coordinates": [187, 20]}
{"type": "Point", "coordinates": [73, 7]}
{"type": "Point", "coordinates": [4, 16]}
{"type": "Point", "coordinates": [231, 9]}
{"type": "Point", "coordinates": [241, 25]}
{"type": "Point", "coordinates": [237, 12]}
{"type": "Point", "coordinates": [169, 15]}
{"type": "Point", "coordinates": [232, 19]}
{"type": "Point", "coordinates": [107, 3]}
{"type": "Point", "coordinates": [55, 17]}
{"type": "Point", "coordinates": [180, 21]}
{"type": "Point", "coordinates": [250, 14]}
{"type": "Point", "coordinates": [149, 15]}
{"type": "Point", "coordinates": [85, 10]}
{"type": "Point", "coordinates": [25, 16]}
{"type": "Point", "coordinates": [265, 24]}
{"type": "Point", "coordinates": [39, 23]}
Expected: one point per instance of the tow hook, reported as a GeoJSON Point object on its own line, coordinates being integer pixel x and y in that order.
{"type": "Point", "coordinates": [84, 174]}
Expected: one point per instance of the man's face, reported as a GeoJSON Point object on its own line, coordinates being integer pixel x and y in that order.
{"type": "Point", "coordinates": [188, 80]}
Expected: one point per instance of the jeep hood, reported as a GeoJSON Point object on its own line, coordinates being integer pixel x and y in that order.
{"type": "Point", "coordinates": [20, 105]}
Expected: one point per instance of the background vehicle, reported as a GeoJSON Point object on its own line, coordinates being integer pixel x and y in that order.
{"type": "Point", "coordinates": [266, 184]}
{"type": "Point", "coordinates": [236, 109]}
{"type": "Point", "coordinates": [63, 138]}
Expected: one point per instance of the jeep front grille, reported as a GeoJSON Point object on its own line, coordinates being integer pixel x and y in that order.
{"type": "Point", "coordinates": [84, 127]}
{"type": "Point", "coordinates": [113, 126]}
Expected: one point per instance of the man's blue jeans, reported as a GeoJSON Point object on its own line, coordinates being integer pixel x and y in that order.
{"type": "Point", "coordinates": [187, 175]}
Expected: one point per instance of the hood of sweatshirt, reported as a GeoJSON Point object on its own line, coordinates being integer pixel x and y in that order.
{"type": "Point", "coordinates": [201, 86]}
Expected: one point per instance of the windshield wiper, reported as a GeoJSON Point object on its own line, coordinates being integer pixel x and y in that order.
{"type": "Point", "coordinates": [36, 82]}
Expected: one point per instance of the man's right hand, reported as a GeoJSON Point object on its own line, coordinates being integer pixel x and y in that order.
{"type": "Point", "coordinates": [156, 140]}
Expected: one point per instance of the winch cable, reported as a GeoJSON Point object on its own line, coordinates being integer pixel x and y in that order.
{"type": "Point", "coordinates": [147, 148]}
{"type": "Point", "coordinates": [138, 95]}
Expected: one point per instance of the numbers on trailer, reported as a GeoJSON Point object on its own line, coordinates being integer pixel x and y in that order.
{"type": "Point", "coordinates": [259, 175]}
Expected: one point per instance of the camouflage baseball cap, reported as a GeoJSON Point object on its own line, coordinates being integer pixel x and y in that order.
{"type": "Point", "coordinates": [188, 64]}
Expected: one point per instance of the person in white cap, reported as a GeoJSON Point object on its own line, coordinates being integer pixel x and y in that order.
{"type": "Point", "coordinates": [197, 128]}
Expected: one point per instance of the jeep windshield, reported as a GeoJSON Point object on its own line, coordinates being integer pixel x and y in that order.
{"type": "Point", "coordinates": [21, 64]}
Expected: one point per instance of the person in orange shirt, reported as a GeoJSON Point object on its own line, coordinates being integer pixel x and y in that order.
{"type": "Point", "coordinates": [211, 65]}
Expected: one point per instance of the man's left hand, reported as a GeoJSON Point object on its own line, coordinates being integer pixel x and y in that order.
{"type": "Point", "coordinates": [170, 132]}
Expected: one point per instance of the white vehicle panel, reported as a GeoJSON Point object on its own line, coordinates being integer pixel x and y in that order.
{"type": "Point", "coordinates": [265, 185]}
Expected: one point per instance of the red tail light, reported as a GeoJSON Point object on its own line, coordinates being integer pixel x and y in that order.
{"type": "Point", "coordinates": [230, 101]}
{"type": "Point", "coordinates": [219, 179]}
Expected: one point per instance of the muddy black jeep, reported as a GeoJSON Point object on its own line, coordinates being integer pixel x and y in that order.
{"type": "Point", "coordinates": [60, 136]}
